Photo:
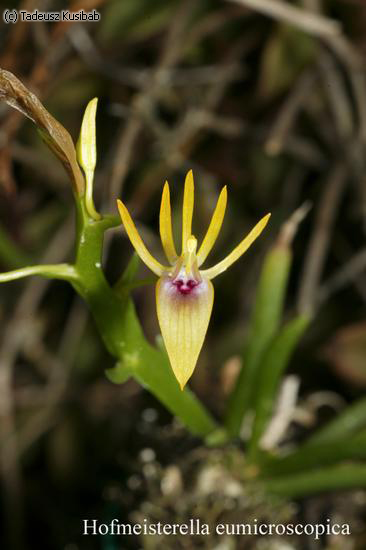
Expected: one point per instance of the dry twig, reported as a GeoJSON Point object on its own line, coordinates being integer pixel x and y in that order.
{"type": "Point", "coordinates": [313, 23]}
{"type": "Point", "coordinates": [320, 238]}
{"type": "Point", "coordinates": [346, 274]}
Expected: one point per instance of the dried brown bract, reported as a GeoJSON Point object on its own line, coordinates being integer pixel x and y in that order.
{"type": "Point", "coordinates": [53, 133]}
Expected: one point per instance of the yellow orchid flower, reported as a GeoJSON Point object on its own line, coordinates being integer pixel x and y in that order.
{"type": "Point", "coordinates": [184, 292]}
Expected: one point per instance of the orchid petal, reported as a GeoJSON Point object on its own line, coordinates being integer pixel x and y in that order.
{"type": "Point", "coordinates": [166, 233]}
{"type": "Point", "coordinates": [214, 227]}
{"type": "Point", "coordinates": [188, 202]}
{"type": "Point", "coordinates": [183, 320]}
{"type": "Point", "coordinates": [238, 251]}
{"type": "Point", "coordinates": [138, 243]}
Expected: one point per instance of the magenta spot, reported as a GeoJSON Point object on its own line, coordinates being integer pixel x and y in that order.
{"type": "Point", "coordinates": [185, 287]}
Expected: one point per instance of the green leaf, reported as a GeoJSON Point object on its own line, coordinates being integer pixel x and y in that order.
{"type": "Point", "coordinates": [311, 455]}
{"type": "Point", "coordinates": [344, 476]}
{"type": "Point", "coordinates": [272, 367]}
{"type": "Point", "coordinates": [349, 421]}
{"type": "Point", "coordinates": [264, 324]}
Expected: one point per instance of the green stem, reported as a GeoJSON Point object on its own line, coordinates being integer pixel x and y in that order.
{"type": "Point", "coordinates": [66, 272]}
{"type": "Point", "coordinates": [122, 334]}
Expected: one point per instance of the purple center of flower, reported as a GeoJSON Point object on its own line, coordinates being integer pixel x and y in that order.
{"type": "Point", "coordinates": [185, 286]}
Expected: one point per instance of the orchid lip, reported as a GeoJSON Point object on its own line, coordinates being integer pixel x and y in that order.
{"type": "Point", "coordinates": [184, 281]}
{"type": "Point", "coordinates": [185, 287]}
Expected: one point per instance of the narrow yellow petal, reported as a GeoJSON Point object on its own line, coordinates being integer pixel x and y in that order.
{"type": "Point", "coordinates": [183, 320]}
{"type": "Point", "coordinates": [138, 243]}
{"type": "Point", "coordinates": [238, 251]}
{"type": "Point", "coordinates": [166, 232]}
{"type": "Point", "coordinates": [214, 227]}
{"type": "Point", "coordinates": [188, 202]}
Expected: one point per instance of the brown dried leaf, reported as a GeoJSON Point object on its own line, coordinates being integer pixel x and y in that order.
{"type": "Point", "coordinates": [54, 134]}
